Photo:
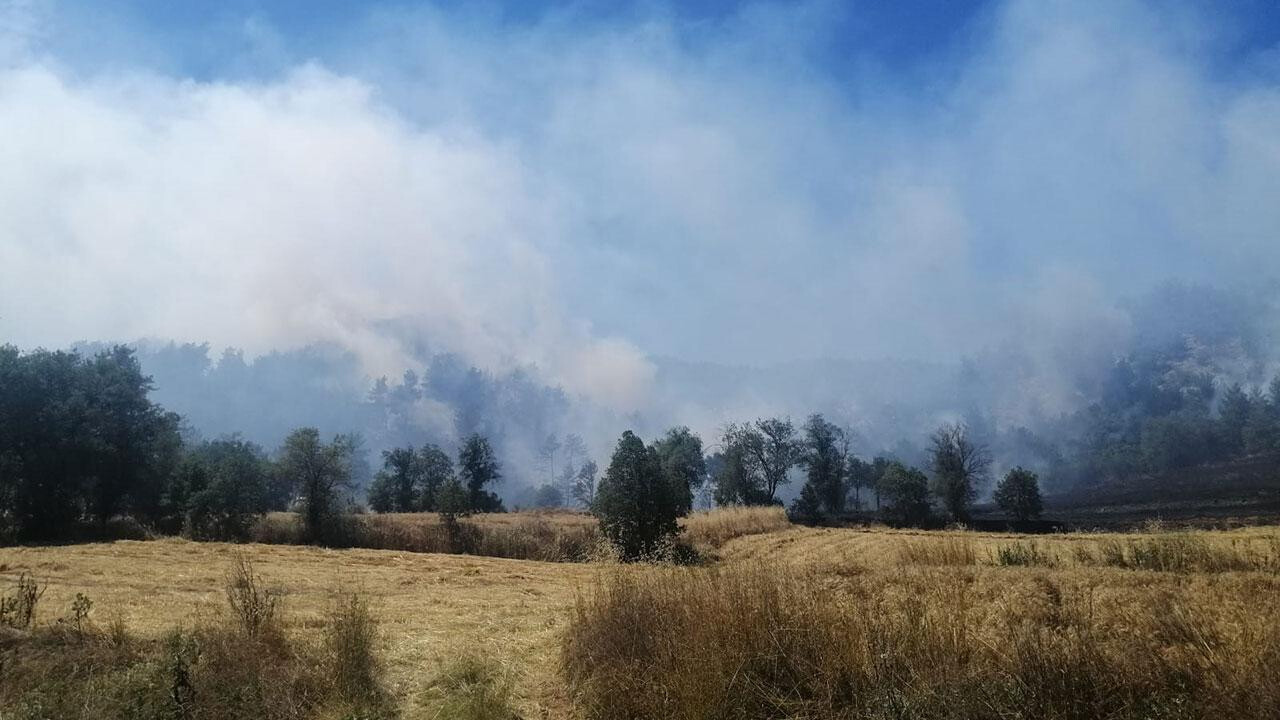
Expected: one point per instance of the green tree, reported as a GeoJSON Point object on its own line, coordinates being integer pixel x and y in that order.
{"type": "Point", "coordinates": [396, 488]}
{"type": "Point", "coordinates": [905, 495]}
{"type": "Point", "coordinates": [1018, 495]}
{"type": "Point", "coordinates": [826, 447]}
{"type": "Point", "coordinates": [735, 472]}
{"type": "Point", "coordinates": [478, 467]}
{"type": "Point", "coordinates": [437, 469]}
{"type": "Point", "coordinates": [776, 449]}
{"type": "Point", "coordinates": [80, 440]}
{"type": "Point", "coordinates": [318, 472]}
{"type": "Point", "coordinates": [637, 503]}
{"type": "Point", "coordinates": [680, 453]}
{"type": "Point", "coordinates": [959, 464]}
{"type": "Point", "coordinates": [226, 484]}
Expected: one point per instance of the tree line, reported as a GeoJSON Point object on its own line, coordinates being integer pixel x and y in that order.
{"type": "Point", "coordinates": [648, 487]}
{"type": "Point", "coordinates": [81, 444]}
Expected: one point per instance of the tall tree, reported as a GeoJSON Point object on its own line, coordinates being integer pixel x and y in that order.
{"type": "Point", "coordinates": [437, 470]}
{"type": "Point", "coordinates": [959, 464]}
{"type": "Point", "coordinates": [574, 451]}
{"type": "Point", "coordinates": [584, 484]}
{"type": "Point", "coordinates": [319, 472]}
{"type": "Point", "coordinates": [736, 472]}
{"type": "Point", "coordinates": [680, 453]}
{"type": "Point", "coordinates": [547, 456]}
{"type": "Point", "coordinates": [478, 468]}
{"type": "Point", "coordinates": [396, 487]}
{"type": "Point", "coordinates": [776, 449]}
{"type": "Point", "coordinates": [826, 446]}
{"type": "Point", "coordinates": [637, 503]}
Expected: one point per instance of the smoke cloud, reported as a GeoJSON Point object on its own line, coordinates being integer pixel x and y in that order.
{"type": "Point", "coordinates": [585, 195]}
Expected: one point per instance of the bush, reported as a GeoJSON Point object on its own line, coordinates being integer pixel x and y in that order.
{"type": "Point", "coordinates": [350, 637]}
{"type": "Point", "coordinates": [1024, 555]}
{"type": "Point", "coordinates": [253, 604]}
{"type": "Point", "coordinates": [19, 609]}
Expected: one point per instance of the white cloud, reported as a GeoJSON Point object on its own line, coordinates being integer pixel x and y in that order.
{"type": "Point", "coordinates": [576, 197]}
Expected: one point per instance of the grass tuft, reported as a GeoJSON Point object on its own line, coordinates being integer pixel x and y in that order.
{"type": "Point", "coordinates": [471, 686]}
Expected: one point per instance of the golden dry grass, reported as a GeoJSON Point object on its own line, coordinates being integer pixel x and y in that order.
{"type": "Point", "coordinates": [431, 607]}
{"type": "Point", "coordinates": [878, 548]}
{"type": "Point", "coordinates": [552, 535]}
{"type": "Point", "coordinates": [709, 529]}
{"type": "Point", "coordinates": [758, 640]}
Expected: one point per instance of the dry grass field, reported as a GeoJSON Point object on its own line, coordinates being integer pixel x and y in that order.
{"type": "Point", "coordinates": [433, 607]}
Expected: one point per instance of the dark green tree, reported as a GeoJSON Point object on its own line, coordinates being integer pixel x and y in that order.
{"type": "Point", "coordinates": [1018, 495]}
{"type": "Point", "coordinates": [80, 440]}
{"type": "Point", "coordinates": [397, 487]}
{"type": "Point", "coordinates": [226, 485]}
{"type": "Point", "coordinates": [437, 469]}
{"type": "Point", "coordinates": [318, 472]}
{"type": "Point", "coordinates": [776, 449]}
{"type": "Point", "coordinates": [637, 503]}
{"type": "Point", "coordinates": [826, 447]}
{"type": "Point", "coordinates": [477, 468]}
{"type": "Point", "coordinates": [680, 453]}
{"type": "Point", "coordinates": [904, 492]}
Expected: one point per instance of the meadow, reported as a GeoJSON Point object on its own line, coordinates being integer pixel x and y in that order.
{"type": "Point", "coordinates": [778, 621]}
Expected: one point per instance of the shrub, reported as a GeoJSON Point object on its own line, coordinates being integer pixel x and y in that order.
{"type": "Point", "coordinates": [472, 687]}
{"type": "Point", "coordinates": [253, 604]}
{"type": "Point", "coordinates": [19, 609]}
{"type": "Point", "coordinates": [1024, 555]}
{"type": "Point", "coordinates": [350, 637]}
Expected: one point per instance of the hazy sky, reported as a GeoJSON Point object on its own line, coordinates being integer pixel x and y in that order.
{"type": "Point", "coordinates": [584, 186]}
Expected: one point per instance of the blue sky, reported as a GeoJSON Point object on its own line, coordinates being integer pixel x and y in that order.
{"type": "Point", "coordinates": [585, 186]}
{"type": "Point", "coordinates": [205, 39]}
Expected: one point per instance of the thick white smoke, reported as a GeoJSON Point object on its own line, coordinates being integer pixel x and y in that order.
{"type": "Point", "coordinates": [580, 196]}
